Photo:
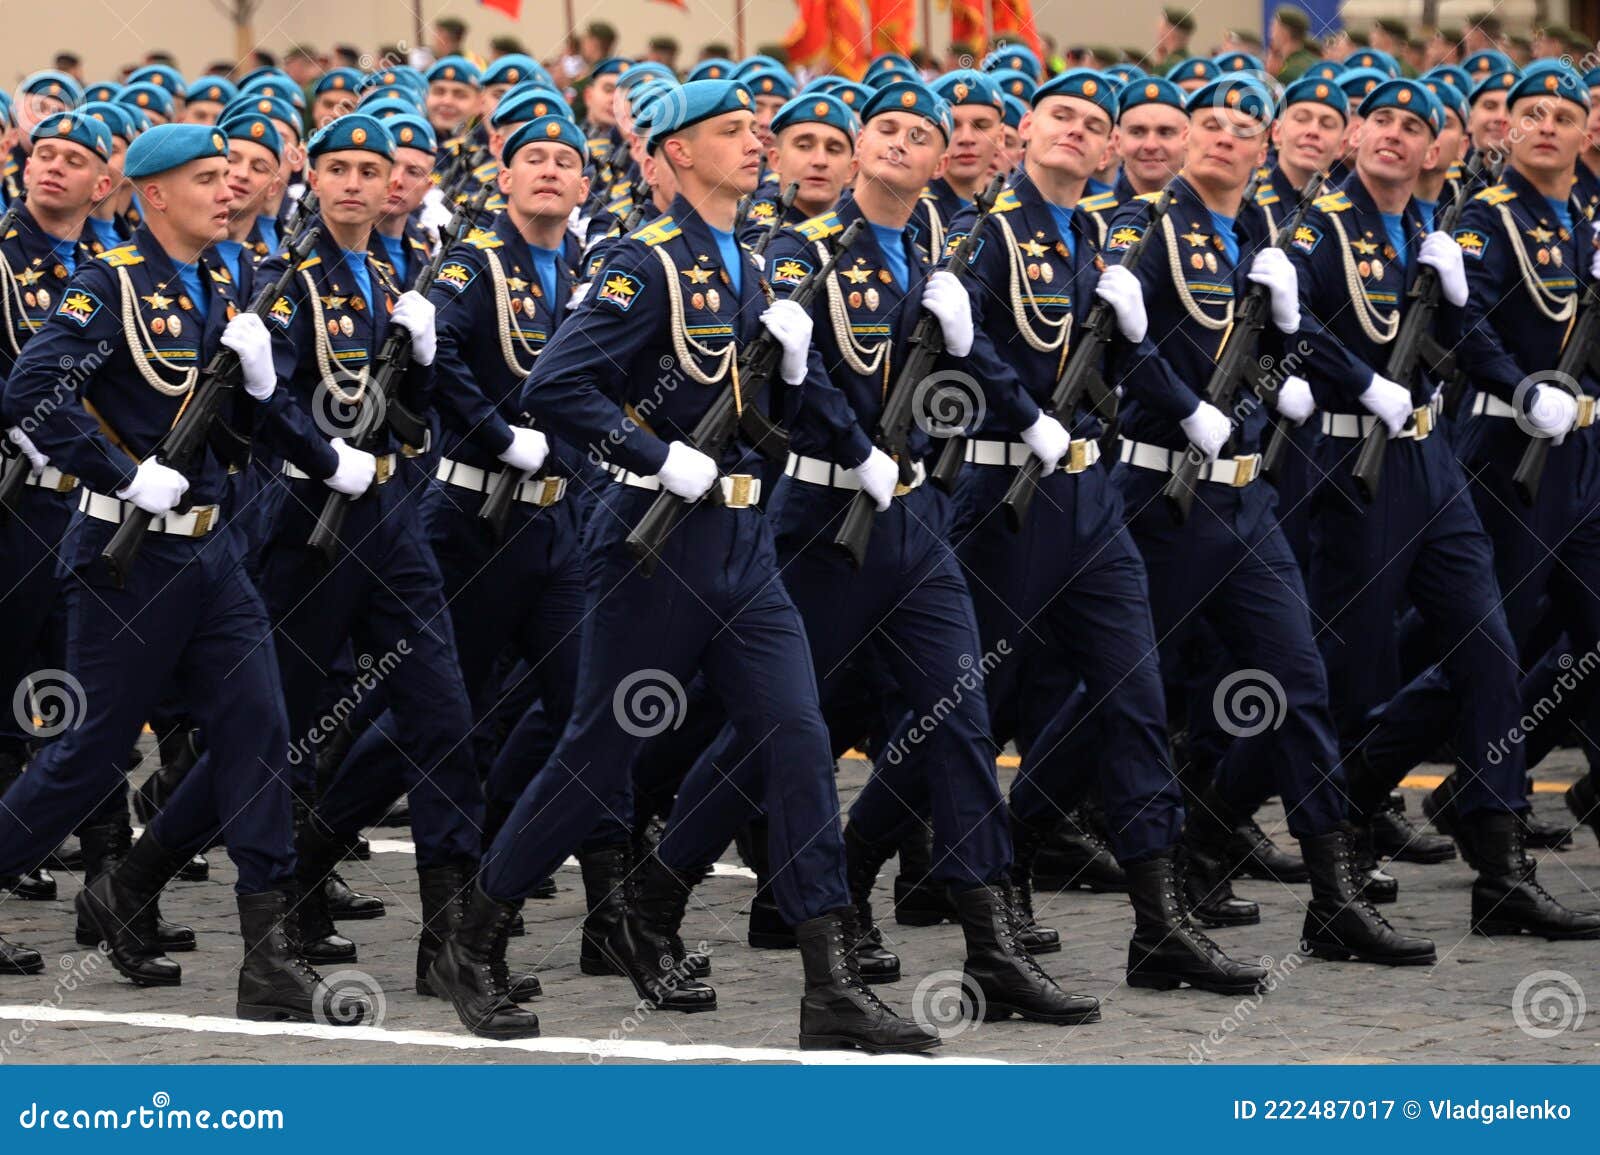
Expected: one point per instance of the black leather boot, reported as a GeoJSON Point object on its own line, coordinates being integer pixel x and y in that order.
{"type": "Point", "coordinates": [465, 971]}
{"type": "Point", "coordinates": [276, 984]}
{"type": "Point", "coordinates": [644, 945]}
{"type": "Point", "coordinates": [445, 891]}
{"type": "Point", "coordinates": [767, 930]}
{"type": "Point", "coordinates": [197, 869]}
{"type": "Point", "coordinates": [1506, 896]}
{"type": "Point", "coordinates": [1377, 884]}
{"type": "Point", "coordinates": [179, 751]}
{"type": "Point", "coordinates": [1251, 853]}
{"type": "Point", "coordinates": [1074, 858]}
{"type": "Point", "coordinates": [1026, 841]}
{"type": "Point", "coordinates": [105, 843]}
{"type": "Point", "coordinates": [919, 898]}
{"type": "Point", "coordinates": [839, 1009]}
{"type": "Point", "coordinates": [1005, 975]}
{"type": "Point", "coordinates": [1584, 804]}
{"type": "Point", "coordinates": [1206, 874]}
{"type": "Point", "coordinates": [316, 852]}
{"type": "Point", "coordinates": [120, 906]}
{"type": "Point", "coordinates": [16, 959]}
{"type": "Point", "coordinates": [1167, 949]}
{"type": "Point", "coordinates": [1394, 837]}
{"type": "Point", "coordinates": [605, 891]}
{"type": "Point", "coordinates": [346, 904]}
{"type": "Point", "coordinates": [1341, 922]}
{"type": "Point", "coordinates": [862, 862]}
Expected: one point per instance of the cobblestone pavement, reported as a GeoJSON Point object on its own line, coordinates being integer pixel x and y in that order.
{"type": "Point", "coordinates": [1458, 1011]}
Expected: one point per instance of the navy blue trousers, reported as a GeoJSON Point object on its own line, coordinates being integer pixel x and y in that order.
{"type": "Point", "coordinates": [1421, 539]}
{"type": "Point", "coordinates": [188, 619]}
{"type": "Point", "coordinates": [714, 604]}
{"type": "Point", "coordinates": [385, 594]}
{"type": "Point", "coordinates": [30, 600]}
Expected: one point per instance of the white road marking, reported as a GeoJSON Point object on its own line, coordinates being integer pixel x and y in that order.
{"type": "Point", "coordinates": [597, 1049]}
{"type": "Point", "coordinates": [406, 846]}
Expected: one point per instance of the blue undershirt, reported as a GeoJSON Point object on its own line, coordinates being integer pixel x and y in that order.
{"type": "Point", "coordinates": [1096, 187]}
{"type": "Point", "coordinates": [105, 232]}
{"type": "Point", "coordinates": [1063, 219]}
{"type": "Point", "coordinates": [357, 264]}
{"type": "Point", "coordinates": [230, 251]}
{"type": "Point", "coordinates": [1428, 210]}
{"type": "Point", "coordinates": [1394, 224]}
{"type": "Point", "coordinates": [268, 228]}
{"type": "Point", "coordinates": [893, 244]}
{"type": "Point", "coordinates": [397, 256]}
{"type": "Point", "coordinates": [1230, 243]}
{"type": "Point", "coordinates": [732, 257]}
{"type": "Point", "coordinates": [189, 278]}
{"type": "Point", "coordinates": [544, 264]}
{"type": "Point", "coordinates": [1562, 211]}
{"type": "Point", "coordinates": [67, 253]}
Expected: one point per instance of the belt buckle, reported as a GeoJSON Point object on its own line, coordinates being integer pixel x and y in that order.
{"type": "Point", "coordinates": [67, 482]}
{"type": "Point", "coordinates": [385, 467]}
{"type": "Point", "coordinates": [1422, 422]}
{"type": "Point", "coordinates": [202, 520]}
{"type": "Point", "coordinates": [1077, 456]}
{"type": "Point", "coordinates": [1244, 469]}
{"type": "Point", "coordinates": [739, 490]}
{"type": "Point", "coordinates": [1585, 411]}
{"type": "Point", "coordinates": [549, 490]}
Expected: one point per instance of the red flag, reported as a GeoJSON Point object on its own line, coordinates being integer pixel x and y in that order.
{"type": "Point", "coordinates": [892, 24]}
{"type": "Point", "coordinates": [834, 33]}
{"type": "Point", "coordinates": [512, 8]}
{"type": "Point", "coordinates": [967, 26]}
{"type": "Point", "coordinates": [1014, 19]}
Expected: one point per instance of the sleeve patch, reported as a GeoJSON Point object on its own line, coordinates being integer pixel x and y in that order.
{"type": "Point", "coordinates": [80, 305]}
{"type": "Point", "coordinates": [1473, 243]}
{"type": "Point", "coordinates": [282, 312]}
{"type": "Point", "coordinates": [1306, 238]}
{"type": "Point", "coordinates": [455, 275]}
{"type": "Point", "coordinates": [790, 271]}
{"type": "Point", "coordinates": [619, 289]}
{"type": "Point", "coordinates": [1123, 236]}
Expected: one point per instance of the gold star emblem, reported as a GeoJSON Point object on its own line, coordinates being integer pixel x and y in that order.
{"type": "Point", "coordinates": [154, 300]}
{"type": "Point", "coordinates": [1034, 248]}
{"type": "Point", "coordinates": [334, 302]}
{"type": "Point", "coordinates": [30, 277]}
{"type": "Point", "coordinates": [697, 275]}
{"type": "Point", "coordinates": [857, 275]}
{"type": "Point", "coordinates": [516, 284]}
{"type": "Point", "coordinates": [1540, 235]}
{"type": "Point", "coordinates": [1196, 239]}
{"type": "Point", "coordinates": [1365, 248]}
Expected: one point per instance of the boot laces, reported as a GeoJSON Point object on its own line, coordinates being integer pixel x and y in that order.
{"type": "Point", "coordinates": [1345, 861]}
{"type": "Point", "coordinates": [1010, 932]}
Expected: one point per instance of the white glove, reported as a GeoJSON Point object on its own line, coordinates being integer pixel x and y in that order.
{"type": "Point", "coordinates": [1048, 440]}
{"type": "Point", "coordinates": [29, 450]}
{"type": "Point", "coordinates": [1389, 402]}
{"type": "Point", "coordinates": [1295, 401]}
{"type": "Point", "coordinates": [1207, 429]}
{"type": "Point", "coordinates": [759, 260]}
{"type": "Point", "coordinates": [1594, 265]}
{"type": "Point", "coordinates": [414, 313]}
{"type": "Point", "coordinates": [1440, 251]}
{"type": "Point", "coordinates": [791, 325]}
{"type": "Point", "coordinates": [248, 337]}
{"type": "Point", "coordinates": [355, 470]}
{"type": "Point", "coordinates": [1271, 268]}
{"type": "Point", "coordinates": [879, 475]}
{"type": "Point", "coordinates": [1552, 411]}
{"type": "Point", "coordinates": [435, 214]}
{"type": "Point", "coordinates": [155, 488]}
{"type": "Point", "coordinates": [1120, 289]}
{"type": "Point", "coordinates": [527, 450]}
{"type": "Point", "coordinates": [687, 472]}
{"type": "Point", "coordinates": [944, 297]}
